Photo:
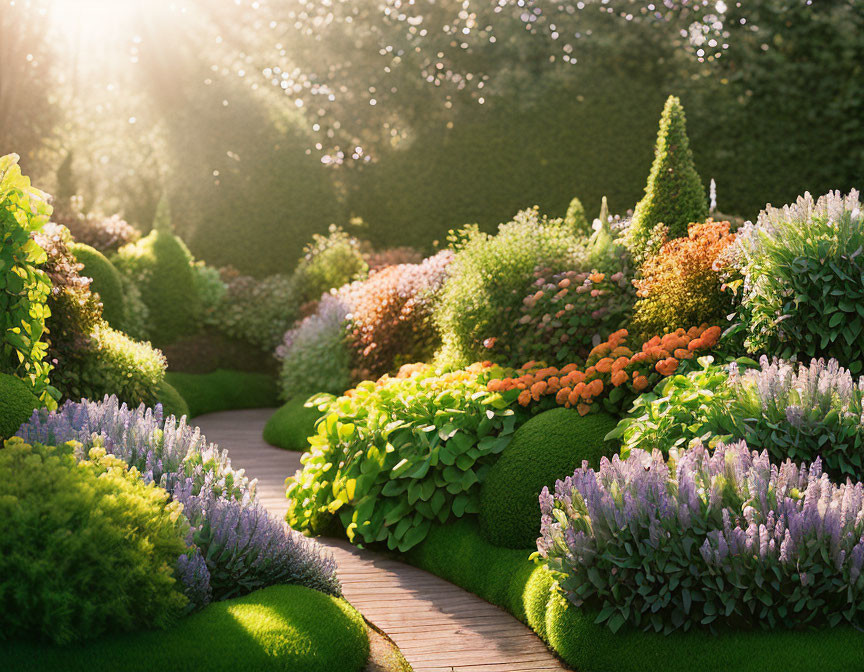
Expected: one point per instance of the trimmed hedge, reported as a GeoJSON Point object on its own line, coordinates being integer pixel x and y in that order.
{"type": "Point", "coordinates": [508, 578]}
{"type": "Point", "coordinates": [107, 282]}
{"type": "Point", "coordinates": [548, 447]}
{"type": "Point", "coordinates": [17, 404]}
{"type": "Point", "coordinates": [283, 628]}
{"type": "Point", "coordinates": [224, 390]}
{"type": "Point", "coordinates": [292, 425]}
{"type": "Point", "coordinates": [172, 402]}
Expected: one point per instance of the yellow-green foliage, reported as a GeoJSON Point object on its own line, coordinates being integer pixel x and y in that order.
{"type": "Point", "coordinates": [292, 425]}
{"type": "Point", "coordinates": [116, 364]}
{"type": "Point", "coordinates": [161, 266]}
{"type": "Point", "coordinates": [85, 548]}
{"type": "Point", "coordinates": [284, 628]}
{"type": "Point", "coordinates": [675, 195]}
{"type": "Point", "coordinates": [17, 404]}
{"type": "Point", "coordinates": [24, 287]}
{"type": "Point", "coordinates": [548, 447]}
{"type": "Point", "coordinates": [107, 282]}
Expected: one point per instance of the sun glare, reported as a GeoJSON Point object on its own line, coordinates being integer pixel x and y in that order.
{"type": "Point", "coordinates": [90, 19]}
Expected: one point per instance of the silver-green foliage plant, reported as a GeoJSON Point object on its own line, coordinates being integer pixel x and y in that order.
{"type": "Point", "coordinates": [802, 287]}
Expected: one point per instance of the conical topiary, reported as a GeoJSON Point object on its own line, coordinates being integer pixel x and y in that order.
{"type": "Point", "coordinates": [674, 195]}
{"type": "Point", "coordinates": [575, 218]}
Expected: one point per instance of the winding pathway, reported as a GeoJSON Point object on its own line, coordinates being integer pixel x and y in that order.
{"type": "Point", "coordinates": [438, 626]}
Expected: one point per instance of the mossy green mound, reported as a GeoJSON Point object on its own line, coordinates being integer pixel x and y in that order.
{"type": "Point", "coordinates": [508, 578]}
{"type": "Point", "coordinates": [224, 390]}
{"type": "Point", "coordinates": [291, 425]}
{"type": "Point", "coordinates": [172, 402]}
{"type": "Point", "coordinates": [17, 404]}
{"type": "Point", "coordinates": [107, 282]}
{"type": "Point", "coordinates": [548, 447]}
{"type": "Point", "coordinates": [287, 628]}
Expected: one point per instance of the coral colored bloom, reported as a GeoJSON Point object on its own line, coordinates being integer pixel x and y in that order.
{"type": "Point", "coordinates": [524, 398]}
{"type": "Point", "coordinates": [596, 277]}
{"type": "Point", "coordinates": [596, 387]}
{"type": "Point", "coordinates": [681, 353]}
{"type": "Point", "coordinates": [569, 368]}
{"type": "Point", "coordinates": [489, 343]}
{"type": "Point", "coordinates": [619, 378]}
{"type": "Point", "coordinates": [696, 344]}
{"type": "Point", "coordinates": [538, 389]}
{"type": "Point", "coordinates": [640, 383]}
{"type": "Point", "coordinates": [667, 366]}
{"type": "Point", "coordinates": [583, 409]}
{"type": "Point", "coordinates": [562, 396]}
{"type": "Point", "coordinates": [604, 365]}
{"type": "Point", "coordinates": [573, 398]}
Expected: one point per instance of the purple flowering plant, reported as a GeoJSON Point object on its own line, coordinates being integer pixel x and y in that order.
{"type": "Point", "coordinates": [707, 539]}
{"type": "Point", "coordinates": [242, 547]}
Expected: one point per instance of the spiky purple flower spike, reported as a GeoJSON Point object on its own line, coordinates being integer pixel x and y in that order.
{"type": "Point", "coordinates": [707, 538]}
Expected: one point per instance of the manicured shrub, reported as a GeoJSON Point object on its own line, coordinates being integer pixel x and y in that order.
{"type": "Point", "coordinates": [257, 311]}
{"type": "Point", "coordinates": [105, 280]}
{"type": "Point", "coordinates": [161, 266]}
{"type": "Point", "coordinates": [680, 285]}
{"type": "Point", "coordinates": [545, 449]}
{"type": "Point", "coordinates": [224, 390]}
{"type": "Point", "coordinates": [391, 457]}
{"type": "Point", "coordinates": [613, 376]}
{"type": "Point", "coordinates": [803, 280]}
{"type": "Point", "coordinates": [219, 502]}
{"type": "Point", "coordinates": [86, 548]}
{"type": "Point", "coordinates": [563, 315]}
{"type": "Point", "coordinates": [292, 425]}
{"type": "Point", "coordinates": [490, 276]}
{"type": "Point", "coordinates": [675, 195]}
{"type": "Point", "coordinates": [315, 353]}
{"type": "Point", "coordinates": [576, 220]}
{"type": "Point", "coordinates": [105, 234]}
{"type": "Point", "coordinates": [277, 629]}
{"type": "Point", "coordinates": [18, 404]}
{"type": "Point", "coordinates": [328, 262]}
{"type": "Point", "coordinates": [172, 402]}
{"type": "Point", "coordinates": [710, 539]}
{"type": "Point", "coordinates": [24, 286]}
{"type": "Point", "coordinates": [391, 315]}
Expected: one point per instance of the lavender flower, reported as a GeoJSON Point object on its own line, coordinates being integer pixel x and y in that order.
{"type": "Point", "coordinates": [242, 547]}
{"type": "Point", "coordinates": [707, 537]}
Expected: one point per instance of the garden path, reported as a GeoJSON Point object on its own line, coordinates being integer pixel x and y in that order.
{"type": "Point", "coordinates": [438, 626]}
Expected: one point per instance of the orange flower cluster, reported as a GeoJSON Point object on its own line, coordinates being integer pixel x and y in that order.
{"type": "Point", "coordinates": [681, 285]}
{"type": "Point", "coordinates": [611, 366]}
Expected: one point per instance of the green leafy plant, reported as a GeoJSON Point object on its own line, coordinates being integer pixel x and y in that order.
{"type": "Point", "coordinates": [683, 409]}
{"type": "Point", "coordinates": [391, 457]}
{"type": "Point", "coordinates": [675, 195]}
{"type": "Point", "coordinates": [105, 280]}
{"type": "Point", "coordinates": [576, 219]}
{"type": "Point", "coordinates": [24, 287]}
